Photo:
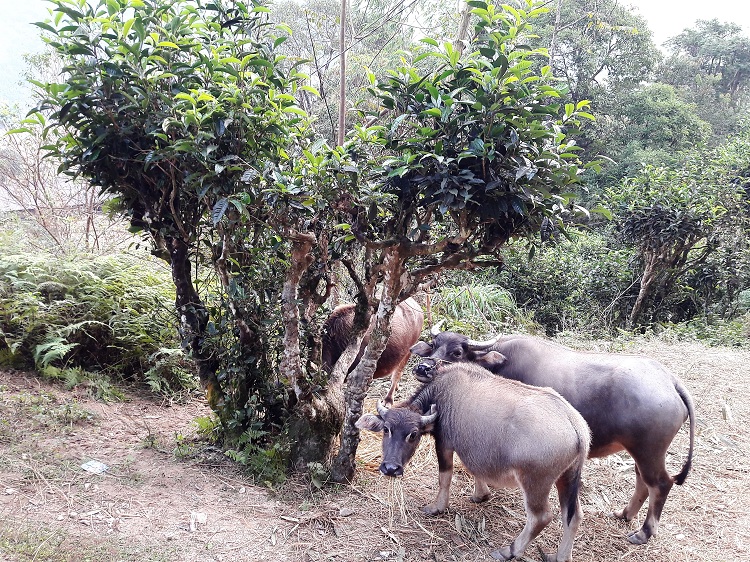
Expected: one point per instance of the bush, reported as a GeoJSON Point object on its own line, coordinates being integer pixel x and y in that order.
{"type": "Point", "coordinates": [476, 308]}
{"type": "Point", "coordinates": [584, 283]}
{"type": "Point", "coordinates": [711, 331]}
{"type": "Point", "coordinates": [107, 315]}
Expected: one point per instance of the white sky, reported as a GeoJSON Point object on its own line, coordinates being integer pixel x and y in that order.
{"type": "Point", "coordinates": [18, 36]}
{"type": "Point", "coordinates": [666, 19]}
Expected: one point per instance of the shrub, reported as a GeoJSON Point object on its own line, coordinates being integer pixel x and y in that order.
{"type": "Point", "coordinates": [108, 315]}
{"type": "Point", "coordinates": [583, 283]}
{"type": "Point", "coordinates": [711, 331]}
{"type": "Point", "coordinates": [477, 308]}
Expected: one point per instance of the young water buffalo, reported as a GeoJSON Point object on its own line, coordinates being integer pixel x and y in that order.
{"type": "Point", "coordinates": [506, 434]}
{"type": "Point", "coordinates": [406, 325]}
{"type": "Point", "coordinates": [629, 402]}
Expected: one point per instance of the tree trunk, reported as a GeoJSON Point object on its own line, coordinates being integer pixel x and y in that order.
{"type": "Point", "coordinates": [555, 30]}
{"type": "Point", "coordinates": [318, 416]}
{"type": "Point", "coordinates": [358, 381]}
{"type": "Point", "coordinates": [463, 28]}
{"type": "Point", "coordinates": [313, 428]}
{"type": "Point", "coordinates": [291, 362]}
{"type": "Point", "coordinates": [193, 322]}
{"type": "Point", "coordinates": [318, 413]}
{"type": "Point", "coordinates": [647, 279]}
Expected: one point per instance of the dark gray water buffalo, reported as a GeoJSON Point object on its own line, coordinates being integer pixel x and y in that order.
{"type": "Point", "coordinates": [629, 402]}
{"type": "Point", "coordinates": [506, 434]}
{"type": "Point", "coordinates": [406, 326]}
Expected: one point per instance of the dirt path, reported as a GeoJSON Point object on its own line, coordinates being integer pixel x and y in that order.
{"type": "Point", "coordinates": [153, 505]}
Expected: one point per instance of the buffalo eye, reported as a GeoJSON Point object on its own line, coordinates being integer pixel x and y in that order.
{"type": "Point", "coordinates": [387, 431]}
{"type": "Point", "coordinates": [456, 353]}
{"type": "Point", "coordinates": [412, 436]}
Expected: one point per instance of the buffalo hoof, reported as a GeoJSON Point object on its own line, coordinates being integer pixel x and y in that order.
{"type": "Point", "coordinates": [502, 554]}
{"type": "Point", "coordinates": [548, 557]}
{"type": "Point", "coordinates": [480, 499]}
{"type": "Point", "coordinates": [621, 515]}
{"type": "Point", "coordinates": [639, 537]}
{"type": "Point", "coordinates": [432, 509]}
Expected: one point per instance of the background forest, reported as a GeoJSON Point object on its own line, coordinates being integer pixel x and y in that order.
{"type": "Point", "coordinates": [537, 167]}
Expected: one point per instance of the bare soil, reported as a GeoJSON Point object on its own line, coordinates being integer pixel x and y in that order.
{"type": "Point", "coordinates": [155, 503]}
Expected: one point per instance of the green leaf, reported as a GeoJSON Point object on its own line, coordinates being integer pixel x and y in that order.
{"type": "Point", "coordinates": [433, 112]}
{"type": "Point", "coordinates": [184, 96]}
{"type": "Point", "coordinates": [310, 89]}
{"type": "Point", "coordinates": [295, 109]}
{"type": "Point", "coordinates": [19, 130]}
{"type": "Point", "coordinates": [127, 26]}
{"type": "Point", "coordinates": [600, 210]}
{"type": "Point", "coordinates": [219, 210]}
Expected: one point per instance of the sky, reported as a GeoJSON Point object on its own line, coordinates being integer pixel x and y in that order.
{"type": "Point", "coordinates": [17, 37]}
{"type": "Point", "coordinates": [666, 18]}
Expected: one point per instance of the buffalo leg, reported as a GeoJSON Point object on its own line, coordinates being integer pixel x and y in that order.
{"type": "Point", "coordinates": [538, 516]}
{"type": "Point", "coordinates": [568, 486]}
{"type": "Point", "coordinates": [481, 491]}
{"type": "Point", "coordinates": [445, 475]}
{"type": "Point", "coordinates": [658, 481]}
{"type": "Point", "coordinates": [395, 379]}
{"type": "Point", "coordinates": [636, 501]}
{"type": "Point", "coordinates": [652, 481]}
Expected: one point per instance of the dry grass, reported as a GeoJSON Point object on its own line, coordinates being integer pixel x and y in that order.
{"type": "Point", "coordinates": [141, 510]}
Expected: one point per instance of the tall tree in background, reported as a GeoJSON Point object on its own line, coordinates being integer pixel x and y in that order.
{"type": "Point", "coordinates": [597, 47]}
{"type": "Point", "coordinates": [603, 52]}
{"type": "Point", "coordinates": [649, 125]}
{"type": "Point", "coordinates": [710, 67]}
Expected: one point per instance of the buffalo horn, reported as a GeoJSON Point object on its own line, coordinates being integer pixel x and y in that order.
{"type": "Point", "coordinates": [480, 345]}
{"type": "Point", "coordinates": [430, 417]}
{"type": "Point", "coordinates": [435, 330]}
{"type": "Point", "coordinates": [382, 408]}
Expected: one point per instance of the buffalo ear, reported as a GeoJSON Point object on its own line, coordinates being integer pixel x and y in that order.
{"type": "Point", "coordinates": [491, 360]}
{"type": "Point", "coordinates": [421, 348]}
{"type": "Point", "coordinates": [371, 422]}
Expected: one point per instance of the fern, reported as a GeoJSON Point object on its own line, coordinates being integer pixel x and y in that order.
{"type": "Point", "coordinates": [108, 314]}
{"type": "Point", "coordinates": [53, 349]}
{"type": "Point", "coordinates": [208, 427]}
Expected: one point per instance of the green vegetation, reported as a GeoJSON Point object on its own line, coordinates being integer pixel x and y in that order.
{"type": "Point", "coordinates": [469, 157]}
{"type": "Point", "coordinates": [87, 319]}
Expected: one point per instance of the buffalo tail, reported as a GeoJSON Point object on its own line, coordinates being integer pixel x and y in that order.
{"type": "Point", "coordinates": [685, 395]}
{"type": "Point", "coordinates": [584, 441]}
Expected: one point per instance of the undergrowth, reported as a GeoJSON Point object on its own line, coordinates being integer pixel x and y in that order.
{"type": "Point", "coordinates": [475, 309]}
{"type": "Point", "coordinates": [90, 320]}
{"type": "Point", "coordinates": [265, 464]}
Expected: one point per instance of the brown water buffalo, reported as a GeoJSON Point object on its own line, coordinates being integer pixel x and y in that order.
{"type": "Point", "coordinates": [406, 325]}
{"type": "Point", "coordinates": [629, 402]}
{"type": "Point", "coordinates": [506, 433]}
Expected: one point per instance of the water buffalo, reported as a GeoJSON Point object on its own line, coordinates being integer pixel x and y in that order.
{"type": "Point", "coordinates": [406, 325]}
{"type": "Point", "coordinates": [506, 434]}
{"type": "Point", "coordinates": [629, 402]}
